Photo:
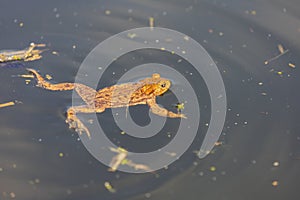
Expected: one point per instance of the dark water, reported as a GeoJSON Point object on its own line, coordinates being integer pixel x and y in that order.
{"type": "Point", "coordinates": [261, 127]}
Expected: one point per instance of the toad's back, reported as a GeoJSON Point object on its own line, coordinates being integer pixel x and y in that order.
{"type": "Point", "coordinates": [130, 94]}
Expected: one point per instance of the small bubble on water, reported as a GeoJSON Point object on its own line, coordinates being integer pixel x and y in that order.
{"type": "Point", "coordinates": [148, 195]}
{"type": "Point", "coordinates": [276, 164]}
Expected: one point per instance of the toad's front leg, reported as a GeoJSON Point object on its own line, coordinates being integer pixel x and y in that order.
{"type": "Point", "coordinates": [156, 109]}
{"type": "Point", "coordinates": [74, 121]}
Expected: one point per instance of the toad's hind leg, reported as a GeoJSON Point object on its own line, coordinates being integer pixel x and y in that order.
{"type": "Point", "coordinates": [45, 84]}
{"type": "Point", "coordinates": [74, 121]}
{"type": "Point", "coordinates": [85, 92]}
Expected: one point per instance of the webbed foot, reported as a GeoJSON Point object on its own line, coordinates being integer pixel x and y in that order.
{"type": "Point", "coordinates": [79, 127]}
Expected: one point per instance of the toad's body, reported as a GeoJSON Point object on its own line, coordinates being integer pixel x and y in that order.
{"type": "Point", "coordinates": [123, 95]}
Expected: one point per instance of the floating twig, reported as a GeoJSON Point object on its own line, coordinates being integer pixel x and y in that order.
{"type": "Point", "coordinates": [282, 52]}
{"type": "Point", "coordinates": [11, 103]}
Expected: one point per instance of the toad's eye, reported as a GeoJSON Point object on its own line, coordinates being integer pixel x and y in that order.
{"type": "Point", "coordinates": [163, 85]}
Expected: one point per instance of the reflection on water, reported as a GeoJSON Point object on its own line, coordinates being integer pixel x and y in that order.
{"type": "Point", "coordinates": [42, 159]}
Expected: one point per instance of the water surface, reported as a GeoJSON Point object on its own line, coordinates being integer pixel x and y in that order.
{"type": "Point", "coordinates": [261, 125]}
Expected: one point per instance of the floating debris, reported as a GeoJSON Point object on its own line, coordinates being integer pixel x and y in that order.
{"type": "Point", "coordinates": [169, 134]}
{"type": "Point", "coordinates": [200, 152]}
{"type": "Point", "coordinates": [148, 195]}
{"type": "Point", "coordinates": [48, 77]}
{"type": "Point", "coordinates": [123, 132]}
{"type": "Point", "coordinates": [55, 53]}
{"type": "Point", "coordinates": [33, 182]}
{"type": "Point", "coordinates": [117, 160]}
{"type": "Point", "coordinates": [172, 154]}
{"type": "Point", "coordinates": [251, 12]}
{"type": "Point", "coordinates": [90, 121]}
{"type": "Point", "coordinates": [282, 52]}
{"type": "Point", "coordinates": [107, 12]}
{"type": "Point", "coordinates": [180, 107]}
{"type": "Point", "coordinates": [138, 166]}
{"type": "Point", "coordinates": [186, 38]}
{"type": "Point", "coordinates": [27, 81]}
{"type": "Point", "coordinates": [11, 103]}
{"type": "Point", "coordinates": [276, 164]}
{"type": "Point", "coordinates": [131, 35]}
{"type": "Point", "coordinates": [212, 168]}
{"type": "Point", "coordinates": [275, 183]}
{"type": "Point", "coordinates": [109, 187]}
{"type": "Point", "coordinates": [12, 195]}
{"type": "Point", "coordinates": [28, 54]}
{"type": "Point", "coordinates": [120, 159]}
{"type": "Point", "coordinates": [292, 65]}
{"type": "Point", "coordinates": [151, 22]}
{"type": "Point", "coordinates": [280, 48]}
{"type": "Point", "coordinates": [218, 143]}
{"type": "Point", "coordinates": [26, 75]}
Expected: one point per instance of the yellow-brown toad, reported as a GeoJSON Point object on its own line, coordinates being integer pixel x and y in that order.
{"type": "Point", "coordinates": [123, 95]}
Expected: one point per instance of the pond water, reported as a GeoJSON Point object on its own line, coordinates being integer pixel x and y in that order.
{"type": "Point", "coordinates": [259, 155]}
